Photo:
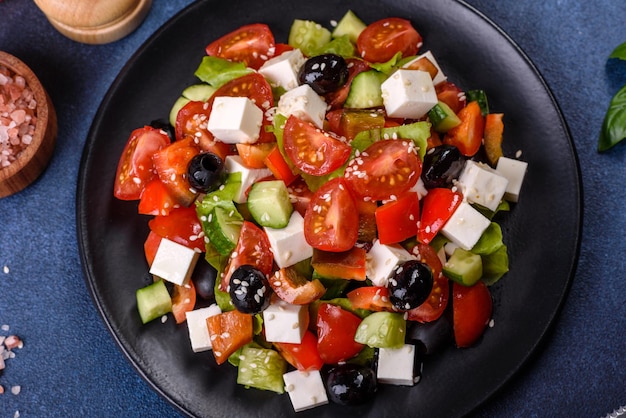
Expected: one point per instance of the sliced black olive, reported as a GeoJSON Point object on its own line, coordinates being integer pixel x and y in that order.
{"type": "Point", "coordinates": [205, 172]}
{"type": "Point", "coordinates": [324, 73]}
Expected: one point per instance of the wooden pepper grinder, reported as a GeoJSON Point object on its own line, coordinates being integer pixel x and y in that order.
{"type": "Point", "coordinates": [95, 21]}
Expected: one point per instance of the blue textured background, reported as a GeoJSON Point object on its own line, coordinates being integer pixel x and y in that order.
{"type": "Point", "coordinates": [70, 365]}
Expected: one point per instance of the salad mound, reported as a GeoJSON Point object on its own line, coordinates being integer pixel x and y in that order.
{"type": "Point", "coordinates": [323, 212]}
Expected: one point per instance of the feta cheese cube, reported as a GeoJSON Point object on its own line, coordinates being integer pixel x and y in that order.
{"type": "Point", "coordinates": [396, 366]}
{"type": "Point", "coordinates": [465, 226]}
{"type": "Point", "coordinates": [440, 77]}
{"type": "Point", "coordinates": [285, 322]}
{"type": "Point", "coordinates": [306, 389]}
{"type": "Point", "coordinates": [234, 164]}
{"type": "Point", "coordinates": [235, 120]}
{"type": "Point", "coordinates": [174, 262]}
{"type": "Point", "coordinates": [481, 184]}
{"type": "Point", "coordinates": [408, 94]}
{"type": "Point", "coordinates": [198, 331]}
{"type": "Point", "coordinates": [288, 244]}
{"type": "Point", "coordinates": [382, 261]}
{"type": "Point", "coordinates": [282, 71]}
{"type": "Point", "coordinates": [303, 103]}
{"type": "Point", "coordinates": [514, 171]}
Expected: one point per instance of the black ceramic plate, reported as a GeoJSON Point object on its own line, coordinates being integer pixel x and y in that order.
{"type": "Point", "coordinates": [542, 231]}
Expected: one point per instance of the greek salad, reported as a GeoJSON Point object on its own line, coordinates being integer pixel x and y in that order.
{"type": "Point", "coordinates": [323, 212]}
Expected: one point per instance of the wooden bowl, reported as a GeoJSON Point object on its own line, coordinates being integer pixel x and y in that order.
{"type": "Point", "coordinates": [34, 158]}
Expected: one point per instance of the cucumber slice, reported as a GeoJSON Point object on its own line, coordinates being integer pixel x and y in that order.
{"type": "Point", "coordinates": [308, 36]}
{"type": "Point", "coordinates": [223, 226]}
{"type": "Point", "coordinates": [365, 90]}
{"type": "Point", "coordinates": [269, 204]}
{"type": "Point", "coordinates": [153, 301]}
{"type": "Point", "coordinates": [464, 267]}
{"type": "Point", "coordinates": [178, 104]}
{"type": "Point", "coordinates": [349, 25]}
{"type": "Point", "coordinates": [382, 330]}
{"type": "Point", "coordinates": [199, 92]}
{"type": "Point", "coordinates": [261, 368]}
{"type": "Point", "coordinates": [443, 118]}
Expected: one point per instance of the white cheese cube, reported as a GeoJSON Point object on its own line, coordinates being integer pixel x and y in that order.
{"type": "Point", "coordinates": [481, 184]}
{"type": "Point", "coordinates": [465, 226]}
{"type": "Point", "coordinates": [235, 120]}
{"type": "Point", "coordinates": [174, 262]}
{"type": "Point", "coordinates": [408, 94]}
{"type": "Point", "coordinates": [440, 77]}
{"type": "Point", "coordinates": [285, 322]}
{"type": "Point", "coordinates": [198, 330]}
{"type": "Point", "coordinates": [382, 260]}
{"type": "Point", "coordinates": [282, 71]}
{"type": "Point", "coordinates": [306, 389]}
{"type": "Point", "coordinates": [234, 164]}
{"type": "Point", "coordinates": [303, 103]}
{"type": "Point", "coordinates": [288, 244]}
{"type": "Point", "coordinates": [514, 171]}
{"type": "Point", "coordinates": [396, 366]}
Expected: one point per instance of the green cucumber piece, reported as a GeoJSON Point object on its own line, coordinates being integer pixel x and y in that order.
{"type": "Point", "coordinates": [223, 226]}
{"type": "Point", "coordinates": [479, 96]}
{"type": "Point", "coordinates": [199, 92]}
{"type": "Point", "coordinates": [178, 104]}
{"type": "Point", "coordinates": [269, 203]}
{"type": "Point", "coordinates": [308, 36]}
{"type": "Point", "coordinates": [349, 25]}
{"type": "Point", "coordinates": [464, 267]}
{"type": "Point", "coordinates": [365, 90]}
{"type": "Point", "coordinates": [153, 301]}
{"type": "Point", "coordinates": [261, 368]}
{"type": "Point", "coordinates": [382, 330]}
{"type": "Point", "coordinates": [443, 118]}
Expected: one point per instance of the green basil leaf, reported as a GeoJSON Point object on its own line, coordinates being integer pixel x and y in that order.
{"type": "Point", "coordinates": [614, 125]}
{"type": "Point", "coordinates": [619, 52]}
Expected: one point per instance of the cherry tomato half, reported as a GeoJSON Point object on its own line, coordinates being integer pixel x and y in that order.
{"type": "Point", "coordinates": [383, 39]}
{"type": "Point", "coordinates": [437, 301]}
{"type": "Point", "coordinates": [335, 333]}
{"type": "Point", "coordinates": [471, 312]}
{"type": "Point", "coordinates": [251, 44]}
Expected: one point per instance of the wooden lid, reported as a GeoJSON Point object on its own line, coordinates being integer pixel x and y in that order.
{"type": "Point", "coordinates": [34, 159]}
{"type": "Point", "coordinates": [95, 21]}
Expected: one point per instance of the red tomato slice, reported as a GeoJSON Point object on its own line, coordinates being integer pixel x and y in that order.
{"type": "Point", "coordinates": [383, 39]}
{"type": "Point", "coordinates": [156, 200]}
{"type": "Point", "coordinates": [312, 150]}
{"type": "Point", "coordinates": [151, 245]}
{"type": "Point", "coordinates": [471, 312]}
{"type": "Point", "coordinates": [135, 168]}
{"type": "Point", "coordinates": [397, 220]}
{"type": "Point", "coordinates": [348, 265]}
{"type": "Point", "coordinates": [331, 222]}
{"type": "Point", "coordinates": [451, 95]}
{"type": "Point", "coordinates": [372, 298]}
{"type": "Point", "coordinates": [251, 44]}
{"type": "Point", "coordinates": [437, 207]}
{"type": "Point", "coordinates": [386, 168]}
{"type": "Point", "coordinates": [303, 356]}
{"type": "Point", "coordinates": [181, 226]}
{"type": "Point", "coordinates": [335, 334]}
{"type": "Point", "coordinates": [171, 166]}
{"type": "Point", "coordinates": [183, 301]}
{"type": "Point", "coordinates": [437, 301]}
{"type": "Point", "coordinates": [229, 332]}
{"type": "Point", "coordinates": [467, 136]}
{"type": "Point", "coordinates": [279, 166]}
{"type": "Point", "coordinates": [253, 86]}
{"type": "Point", "coordinates": [253, 248]}
{"type": "Point", "coordinates": [294, 288]}
{"type": "Point", "coordinates": [337, 98]}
